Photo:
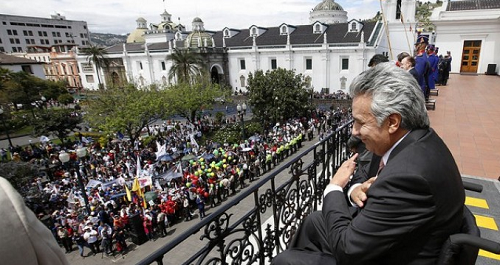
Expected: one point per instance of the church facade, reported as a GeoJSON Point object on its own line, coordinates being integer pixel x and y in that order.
{"type": "Point", "coordinates": [329, 52]}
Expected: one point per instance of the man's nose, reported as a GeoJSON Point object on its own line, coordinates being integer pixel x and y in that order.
{"type": "Point", "coordinates": [355, 130]}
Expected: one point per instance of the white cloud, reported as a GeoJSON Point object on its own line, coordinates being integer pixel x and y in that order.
{"type": "Point", "coordinates": [118, 16]}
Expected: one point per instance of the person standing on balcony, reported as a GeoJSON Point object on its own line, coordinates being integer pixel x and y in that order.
{"type": "Point", "coordinates": [422, 65]}
{"type": "Point", "coordinates": [433, 64]}
{"type": "Point", "coordinates": [407, 215]}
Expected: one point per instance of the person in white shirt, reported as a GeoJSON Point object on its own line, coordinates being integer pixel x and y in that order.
{"type": "Point", "coordinates": [90, 236]}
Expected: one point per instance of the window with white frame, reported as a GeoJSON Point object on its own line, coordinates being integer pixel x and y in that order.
{"type": "Point", "coordinates": [309, 64]}
{"type": "Point", "coordinates": [274, 64]}
{"type": "Point", "coordinates": [89, 78]}
{"type": "Point", "coordinates": [344, 64]}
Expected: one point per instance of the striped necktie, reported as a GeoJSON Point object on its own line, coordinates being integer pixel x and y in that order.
{"type": "Point", "coordinates": [381, 166]}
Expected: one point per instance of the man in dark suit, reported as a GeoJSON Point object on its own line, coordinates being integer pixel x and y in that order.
{"type": "Point", "coordinates": [414, 204]}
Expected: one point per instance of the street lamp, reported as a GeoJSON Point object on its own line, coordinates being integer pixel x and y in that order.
{"type": "Point", "coordinates": [6, 129]}
{"type": "Point", "coordinates": [242, 109]}
{"type": "Point", "coordinates": [44, 100]}
{"type": "Point", "coordinates": [81, 152]}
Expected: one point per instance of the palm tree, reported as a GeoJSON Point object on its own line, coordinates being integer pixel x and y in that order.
{"type": "Point", "coordinates": [96, 55]}
{"type": "Point", "coordinates": [186, 66]}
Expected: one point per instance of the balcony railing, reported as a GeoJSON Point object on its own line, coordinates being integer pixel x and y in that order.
{"type": "Point", "coordinates": [260, 221]}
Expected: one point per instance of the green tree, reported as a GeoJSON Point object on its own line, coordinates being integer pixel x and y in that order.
{"type": "Point", "coordinates": [57, 122]}
{"type": "Point", "coordinates": [187, 100]}
{"type": "Point", "coordinates": [25, 89]}
{"type": "Point", "coordinates": [187, 67]}
{"type": "Point", "coordinates": [126, 110]}
{"type": "Point", "coordinates": [65, 99]}
{"type": "Point", "coordinates": [278, 95]}
{"type": "Point", "coordinates": [96, 55]}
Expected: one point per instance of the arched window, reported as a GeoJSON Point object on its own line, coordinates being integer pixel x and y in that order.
{"type": "Point", "coordinates": [317, 28]}
{"type": "Point", "coordinates": [164, 80]}
{"type": "Point", "coordinates": [115, 79]}
{"type": "Point", "coordinates": [354, 27]}
{"type": "Point", "coordinates": [226, 33]}
{"type": "Point", "coordinates": [242, 81]}
{"type": "Point", "coordinates": [142, 81]}
{"type": "Point", "coordinates": [254, 31]}
{"type": "Point", "coordinates": [283, 30]}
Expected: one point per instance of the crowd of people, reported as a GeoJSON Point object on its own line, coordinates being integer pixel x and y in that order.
{"type": "Point", "coordinates": [169, 180]}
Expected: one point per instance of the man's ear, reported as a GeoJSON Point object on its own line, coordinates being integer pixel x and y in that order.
{"type": "Point", "coordinates": [394, 122]}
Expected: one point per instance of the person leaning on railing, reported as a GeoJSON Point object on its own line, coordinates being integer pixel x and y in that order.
{"type": "Point", "coordinates": [407, 215]}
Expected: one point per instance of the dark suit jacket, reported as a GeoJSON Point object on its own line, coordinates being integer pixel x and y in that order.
{"type": "Point", "coordinates": [414, 205]}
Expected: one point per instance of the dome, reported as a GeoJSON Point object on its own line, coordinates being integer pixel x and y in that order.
{"type": "Point", "coordinates": [328, 5]}
{"type": "Point", "coordinates": [197, 19]}
{"type": "Point", "coordinates": [198, 40]}
{"type": "Point", "coordinates": [136, 36]}
{"type": "Point", "coordinates": [141, 19]}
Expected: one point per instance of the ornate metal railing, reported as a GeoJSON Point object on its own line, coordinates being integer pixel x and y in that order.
{"type": "Point", "coordinates": [260, 221]}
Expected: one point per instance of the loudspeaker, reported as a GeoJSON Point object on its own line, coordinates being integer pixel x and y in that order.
{"type": "Point", "coordinates": [491, 69]}
{"type": "Point", "coordinates": [137, 234]}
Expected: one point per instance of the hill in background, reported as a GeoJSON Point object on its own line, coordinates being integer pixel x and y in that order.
{"type": "Point", "coordinates": [107, 39]}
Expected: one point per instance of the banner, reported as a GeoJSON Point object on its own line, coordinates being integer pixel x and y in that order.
{"type": "Point", "coordinates": [93, 183]}
{"type": "Point", "coordinates": [110, 184]}
{"type": "Point", "coordinates": [145, 181]}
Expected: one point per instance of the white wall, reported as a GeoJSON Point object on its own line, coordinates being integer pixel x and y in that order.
{"type": "Point", "coordinates": [455, 27]}
{"type": "Point", "coordinates": [37, 69]}
{"type": "Point", "coordinates": [326, 69]}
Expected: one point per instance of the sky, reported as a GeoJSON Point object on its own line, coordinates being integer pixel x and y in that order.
{"type": "Point", "coordinates": [118, 16]}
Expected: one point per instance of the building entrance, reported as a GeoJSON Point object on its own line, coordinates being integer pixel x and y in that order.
{"type": "Point", "coordinates": [470, 56]}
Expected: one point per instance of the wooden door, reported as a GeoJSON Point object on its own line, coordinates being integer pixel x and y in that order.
{"type": "Point", "coordinates": [470, 56]}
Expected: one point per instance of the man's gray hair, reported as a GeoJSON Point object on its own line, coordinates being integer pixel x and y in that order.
{"type": "Point", "coordinates": [393, 90]}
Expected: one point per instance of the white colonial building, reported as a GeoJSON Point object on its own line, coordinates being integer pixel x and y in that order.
{"type": "Point", "coordinates": [470, 30]}
{"type": "Point", "coordinates": [18, 64]}
{"type": "Point", "coordinates": [329, 52]}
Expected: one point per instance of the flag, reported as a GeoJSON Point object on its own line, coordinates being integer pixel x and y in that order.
{"type": "Point", "coordinates": [136, 187]}
{"type": "Point", "coordinates": [138, 168]}
{"type": "Point", "coordinates": [158, 186]}
{"type": "Point", "coordinates": [193, 141]}
{"type": "Point", "coordinates": [71, 197]}
{"type": "Point", "coordinates": [85, 140]}
{"type": "Point", "coordinates": [129, 194]}
{"type": "Point", "coordinates": [162, 149]}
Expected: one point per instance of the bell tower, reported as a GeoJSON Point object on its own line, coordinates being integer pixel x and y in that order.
{"type": "Point", "coordinates": [397, 11]}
